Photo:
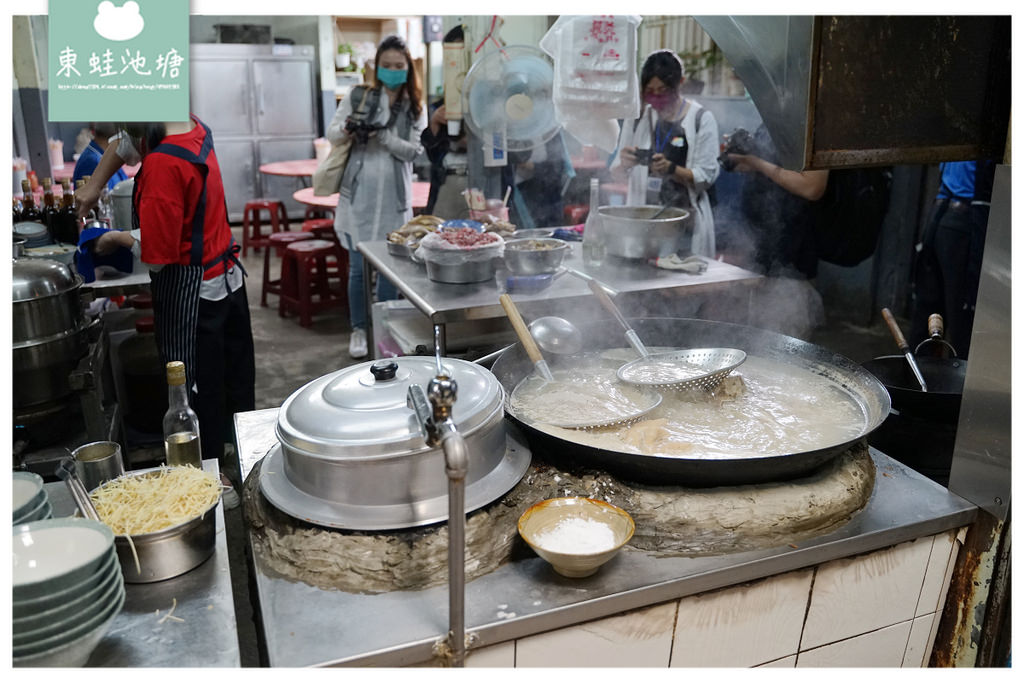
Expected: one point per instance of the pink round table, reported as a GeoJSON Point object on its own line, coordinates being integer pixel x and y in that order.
{"type": "Point", "coordinates": [420, 192]}
{"type": "Point", "coordinates": [60, 174]}
{"type": "Point", "coordinates": [298, 168]}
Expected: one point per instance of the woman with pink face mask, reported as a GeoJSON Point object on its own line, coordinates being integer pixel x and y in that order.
{"type": "Point", "coordinates": [675, 144]}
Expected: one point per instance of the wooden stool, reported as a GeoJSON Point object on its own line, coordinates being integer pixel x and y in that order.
{"type": "Point", "coordinates": [252, 233]}
{"type": "Point", "coordinates": [306, 275]}
{"type": "Point", "coordinates": [278, 240]}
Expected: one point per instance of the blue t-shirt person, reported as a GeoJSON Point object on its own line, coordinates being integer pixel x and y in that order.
{"type": "Point", "coordinates": [87, 162]}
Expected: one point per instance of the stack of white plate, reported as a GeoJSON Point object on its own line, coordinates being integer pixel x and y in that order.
{"type": "Point", "coordinates": [28, 498]}
{"type": "Point", "coordinates": [67, 589]}
{"type": "Point", "coordinates": [35, 234]}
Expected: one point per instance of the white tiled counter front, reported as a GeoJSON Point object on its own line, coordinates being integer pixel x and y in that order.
{"type": "Point", "coordinates": [877, 609]}
{"type": "Point", "coordinates": [829, 600]}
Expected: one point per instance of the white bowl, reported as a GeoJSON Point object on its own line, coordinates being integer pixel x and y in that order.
{"type": "Point", "coordinates": [52, 554]}
{"type": "Point", "coordinates": [73, 653]}
{"type": "Point", "coordinates": [27, 607]}
{"type": "Point", "coordinates": [62, 630]}
{"type": "Point", "coordinates": [26, 492]}
{"type": "Point", "coordinates": [75, 606]}
{"type": "Point", "coordinates": [42, 510]}
{"type": "Point", "coordinates": [546, 515]}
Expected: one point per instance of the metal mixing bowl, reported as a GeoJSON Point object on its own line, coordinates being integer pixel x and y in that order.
{"type": "Point", "coordinates": [630, 232]}
{"type": "Point", "coordinates": [522, 256]}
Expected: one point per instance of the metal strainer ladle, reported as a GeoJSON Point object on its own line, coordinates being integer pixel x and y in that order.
{"type": "Point", "coordinates": [648, 398]}
{"type": "Point", "coordinates": [685, 369]}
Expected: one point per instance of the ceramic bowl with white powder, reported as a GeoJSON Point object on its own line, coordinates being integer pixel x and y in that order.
{"type": "Point", "coordinates": [576, 535]}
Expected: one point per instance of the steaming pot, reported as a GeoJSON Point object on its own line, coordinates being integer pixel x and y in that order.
{"type": "Point", "coordinates": [352, 454]}
{"type": "Point", "coordinates": [49, 329]}
{"type": "Point", "coordinates": [630, 232]}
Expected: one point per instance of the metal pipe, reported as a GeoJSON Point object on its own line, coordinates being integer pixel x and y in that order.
{"type": "Point", "coordinates": [441, 429]}
{"type": "Point", "coordinates": [456, 461]}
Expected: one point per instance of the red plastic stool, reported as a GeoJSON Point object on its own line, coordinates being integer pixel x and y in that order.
{"type": "Point", "coordinates": [320, 227]}
{"type": "Point", "coordinates": [252, 225]}
{"type": "Point", "coordinates": [576, 213]}
{"type": "Point", "coordinates": [306, 278]}
{"type": "Point", "coordinates": [279, 240]}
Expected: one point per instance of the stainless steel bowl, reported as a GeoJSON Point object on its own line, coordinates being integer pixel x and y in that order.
{"type": "Point", "coordinates": [169, 552]}
{"type": "Point", "coordinates": [460, 267]}
{"type": "Point", "coordinates": [630, 232]}
{"type": "Point", "coordinates": [524, 258]}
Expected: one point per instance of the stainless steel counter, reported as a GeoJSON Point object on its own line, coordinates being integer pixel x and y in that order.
{"type": "Point", "coordinates": [446, 303]}
{"type": "Point", "coordinates": [208, 636]}
{"type": "Point", "coordinates": [303, 625]}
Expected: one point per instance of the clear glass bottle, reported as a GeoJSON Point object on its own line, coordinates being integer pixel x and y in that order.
{"type": "Point", "coordinates": [181, 426]}
{"type": "Point", "coordinates": [593, 239]}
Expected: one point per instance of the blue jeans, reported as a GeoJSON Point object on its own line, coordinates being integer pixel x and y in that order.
{"type": "Point", "coordinates": [356, 293]}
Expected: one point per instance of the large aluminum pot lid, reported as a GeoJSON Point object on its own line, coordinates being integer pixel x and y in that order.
{"type": "Point", "coordinates": [353, 414]}
{"type": "Point", "coordinates": [37, 278]}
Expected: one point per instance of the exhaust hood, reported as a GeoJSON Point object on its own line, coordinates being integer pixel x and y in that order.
{"type": "Point", "coordinates": [847, 91]}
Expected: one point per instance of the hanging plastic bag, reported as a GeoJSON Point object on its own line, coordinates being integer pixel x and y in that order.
{"type": "Point", "coordinates": [595, 79]}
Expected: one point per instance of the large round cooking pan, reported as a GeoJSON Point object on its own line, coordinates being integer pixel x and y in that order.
{"type": "Point", "coordinates": [944, 377]}
{"type": "Point", "coordinates": [513, 365]}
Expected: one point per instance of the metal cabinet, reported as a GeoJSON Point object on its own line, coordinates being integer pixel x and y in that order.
{"type": "Point", "coordinates": [261, 104]}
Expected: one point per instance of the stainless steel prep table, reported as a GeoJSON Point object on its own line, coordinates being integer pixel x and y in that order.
{"type": "Point", "coordinates": [303, 625]}
{"type": "Point", "coordinates": [208, 636]}
{"type": "Point", "coordinates": [446, 303]}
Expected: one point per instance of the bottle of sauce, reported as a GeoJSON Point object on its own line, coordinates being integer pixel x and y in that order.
{"type": "Point", "coordinates": [17, 209]}
{"type": "Point", "coordinates": [593, 239]}
{"type": "Point", "coordinates": [67, 220]}
{"type": "Point", "coordinates": [29, 212]}
{"type": "Point", "coordinates": [50, 211]}
{"type": "Point", "coordinates": [181, 426]}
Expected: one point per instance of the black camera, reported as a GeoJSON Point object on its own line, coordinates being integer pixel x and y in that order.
{"type": "Point", "coordinates": [643, 157]}
{"type": "Point", "coordinates": [740, 142]}
{"type": "Point", "coordinates": [359, 128]}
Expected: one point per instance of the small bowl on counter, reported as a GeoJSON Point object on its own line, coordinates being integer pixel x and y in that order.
{"type": "Point", "coordinates": [576, 535]}
{"type": "Point", "coordinates": [533, 256]}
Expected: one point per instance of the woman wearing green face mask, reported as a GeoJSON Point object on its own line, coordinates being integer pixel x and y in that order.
{"type": "Point", "coordinates": [376, 188]}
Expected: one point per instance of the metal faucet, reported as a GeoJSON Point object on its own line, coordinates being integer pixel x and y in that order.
{"type": "Point", "coordinates": [440, 429]}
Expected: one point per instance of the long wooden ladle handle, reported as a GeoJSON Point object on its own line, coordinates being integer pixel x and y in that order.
{"type": "Point", "coordinates": [522, 331]}
{"type": "Point", "coordinates": [894, 328]}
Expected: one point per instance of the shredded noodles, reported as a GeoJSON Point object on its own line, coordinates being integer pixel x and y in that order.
{"type": "Point", "coordinates": [141, 504]}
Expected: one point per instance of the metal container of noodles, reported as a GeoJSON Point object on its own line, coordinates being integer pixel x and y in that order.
{"type": "Point", "coordinates": [169, 552]}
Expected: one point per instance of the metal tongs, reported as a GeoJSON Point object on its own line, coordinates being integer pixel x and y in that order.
{"type": "Point", "coordinates": [435, 418]}
{"type": "Point", "coordinates": [66, 471]}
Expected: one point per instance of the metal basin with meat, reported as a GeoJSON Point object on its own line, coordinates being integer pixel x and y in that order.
{"type": "Point", "coordinates": [854, 382]}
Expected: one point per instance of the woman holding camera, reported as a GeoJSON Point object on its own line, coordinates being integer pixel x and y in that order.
{"type": "Point", "coordinates": [675, 143]}
{"type": "Point", "coordinates": [384, 123]}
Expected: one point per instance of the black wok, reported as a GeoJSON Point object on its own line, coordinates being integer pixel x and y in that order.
{"type": "Point", "coordinates": [920, 432]}
{"type": "Point", "coordinates": [512, 365]}
{"type": "Point", "coordinates": [944, 377]}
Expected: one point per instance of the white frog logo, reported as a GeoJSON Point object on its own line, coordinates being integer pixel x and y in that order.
{"type": "Point", "coordinates": [118, 23]}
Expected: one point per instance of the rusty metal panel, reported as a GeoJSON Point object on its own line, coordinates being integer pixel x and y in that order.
{"type": "Point", "coordinates": [909, 89]}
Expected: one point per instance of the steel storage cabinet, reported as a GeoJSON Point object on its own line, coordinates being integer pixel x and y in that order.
{"type": "Point", "coordinates": [260, 103]}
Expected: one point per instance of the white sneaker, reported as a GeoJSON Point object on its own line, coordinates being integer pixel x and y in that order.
{"type": "Point", "coordinates": [228, 494]}
{"type": "Point", "coordinates": [357, 343]}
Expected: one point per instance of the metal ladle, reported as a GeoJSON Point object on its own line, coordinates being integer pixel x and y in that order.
{"type": "Point", "coordinates": [556, 335]}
